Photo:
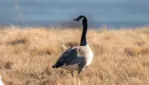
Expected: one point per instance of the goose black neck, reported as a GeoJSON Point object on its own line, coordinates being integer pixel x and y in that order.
{"type": "Point", "coordinates": [83, 41]}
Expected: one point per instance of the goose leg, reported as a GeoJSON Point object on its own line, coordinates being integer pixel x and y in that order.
{"type": "Point", "coordinates": [78, 80]}
{"type": "Point", "coordinates": [74, 80]}
{"type": "Point", "coordinates": [79, 76]}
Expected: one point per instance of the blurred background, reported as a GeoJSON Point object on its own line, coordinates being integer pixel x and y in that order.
{"type": "Point", "coordinates": [110, 13]}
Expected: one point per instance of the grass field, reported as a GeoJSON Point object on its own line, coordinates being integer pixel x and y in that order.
{"type": "Point", "coordinates": [121, 57]}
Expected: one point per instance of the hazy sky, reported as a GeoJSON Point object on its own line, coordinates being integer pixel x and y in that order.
{"type": "Point", "coordinates": [101, 11]}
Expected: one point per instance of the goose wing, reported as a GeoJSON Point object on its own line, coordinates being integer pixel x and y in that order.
{"type": "Point", "coordinates": [70, 56]}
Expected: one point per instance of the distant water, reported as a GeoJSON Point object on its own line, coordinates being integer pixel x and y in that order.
{"type": "Point", "coordinates": [112, 13]}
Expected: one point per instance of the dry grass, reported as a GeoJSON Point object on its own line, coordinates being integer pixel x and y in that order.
{"type": "Point", "coordinates": [121, 56]}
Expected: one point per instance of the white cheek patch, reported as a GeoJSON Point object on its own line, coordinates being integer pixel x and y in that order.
{"type": "Point", "coordinates": [81, 19]}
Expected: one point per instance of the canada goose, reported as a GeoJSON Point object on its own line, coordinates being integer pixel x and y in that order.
{"type": "Point", "coordinates": [78, 57]}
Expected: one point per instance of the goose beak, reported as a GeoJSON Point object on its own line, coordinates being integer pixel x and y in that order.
{"type": "Point", "coordinates": [75, 20]}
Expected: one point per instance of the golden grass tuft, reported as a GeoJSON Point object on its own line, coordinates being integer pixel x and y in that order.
{"type": "Point", "coordinates": [133, 51]}
{"type": "Point", "coordinates": [121, 57]}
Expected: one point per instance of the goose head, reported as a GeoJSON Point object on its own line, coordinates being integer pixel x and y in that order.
{"type": "Point", "coordinates": [80, 17]}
